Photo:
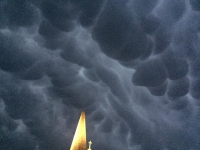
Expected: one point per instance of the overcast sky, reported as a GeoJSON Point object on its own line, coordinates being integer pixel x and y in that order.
{"type": "Point", "coordinates": [132, 65]}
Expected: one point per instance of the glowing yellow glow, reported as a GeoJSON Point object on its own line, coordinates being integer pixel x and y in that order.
{"type": "Point", "coordinates": [79, 140]}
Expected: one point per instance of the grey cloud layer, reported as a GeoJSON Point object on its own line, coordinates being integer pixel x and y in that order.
{"type": "Point", "coordinates": [132, 65]}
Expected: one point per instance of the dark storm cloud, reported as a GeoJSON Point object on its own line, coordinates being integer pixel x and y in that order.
{"type": "Point", "coordinates": [23, 141]}
{"type": "Point", "coordinates": [151, 73]}
{"type": "Point", "coordinates": [35, 72]}
{"type": "Point", "coordinates": [195, 4]}
{"type": "Point", "coordinates": [143, 7]}
{"type": "Point", "coordinates": [16, 95]}
{"type": "Point", "coordinates": [118, 33]}
{"type": "Point", "coordinates": [150, 23]}
{"type": "Point", "coordinates": [170, 11]}
{"type": "Point", "coordinates": [176, 67]}
{"type": "Point", "coordinates": [195, 68]}
{"type": "Point", "coordinates": [58, 14]}
{"type": "Point", "coordinates": [13, 57]}
{"type": "Point", "coordinates": [115, 86]}
{"type": "Point", "coordinates": [73, 53]}
{"type": "Point", "coordinates": [8, 122]}
{"type": "Point", "coordinates": [48, 31]}
{"type": "Point", "coordinates": [178, 87]}
{"type": "Point", "coordinates": [195, 89]}
{"type": "Point", "coordinates": [132, 65]}
{"type": "Point", "coordinates": [91, 75]}
{"type": "Point", "coordinates": [158, 90]}
{"type": "Point", "coordinates": [13, 133]}
{"type": "Point", "coordinates": [89, 11]}
{"type": "Point", "coordinates": [162, 39]}
{"type": "Point", "coordinates": [179, 103]}
{"type": "Point", "coordinates": [18, 13]}
{"type": "Point", "coordinates": [185, 38]}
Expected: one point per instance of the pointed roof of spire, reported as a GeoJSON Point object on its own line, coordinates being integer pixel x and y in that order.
{"type": "Point", "coordinates": [79, 140]}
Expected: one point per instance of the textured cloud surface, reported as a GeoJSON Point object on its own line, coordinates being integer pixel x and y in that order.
{"type": "Point", "coordinates": [132, 65]}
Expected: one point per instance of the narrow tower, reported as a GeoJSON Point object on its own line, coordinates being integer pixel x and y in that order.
{"type": "Point", "coordinates": [79, 140]}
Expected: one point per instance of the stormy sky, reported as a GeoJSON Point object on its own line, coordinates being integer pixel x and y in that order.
{"type": "Point", "coordinates": [132, 65]}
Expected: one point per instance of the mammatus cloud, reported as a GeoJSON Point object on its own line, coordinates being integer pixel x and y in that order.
{"type": "Point", "coordinates": [132, 65]}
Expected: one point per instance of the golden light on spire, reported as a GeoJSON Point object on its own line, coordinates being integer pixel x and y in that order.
{"type": "Point", "coordinates": [79, 140]}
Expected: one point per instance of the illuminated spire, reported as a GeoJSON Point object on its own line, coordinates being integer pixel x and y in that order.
{"type": "Point", "coordinates": [79, 140]}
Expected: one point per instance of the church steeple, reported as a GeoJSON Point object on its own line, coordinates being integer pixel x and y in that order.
{"type": "Point", "coordinates": [79, 140]}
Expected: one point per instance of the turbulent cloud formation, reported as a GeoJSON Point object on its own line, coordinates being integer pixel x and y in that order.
{"type": "Point", "coordinates": [132, 65]}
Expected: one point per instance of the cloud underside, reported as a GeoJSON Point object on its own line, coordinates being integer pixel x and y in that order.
{"type": "Point", "coordinates": [132, 65]}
